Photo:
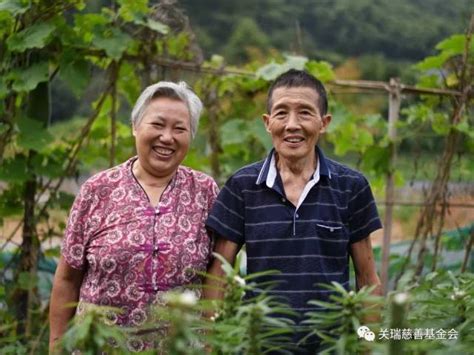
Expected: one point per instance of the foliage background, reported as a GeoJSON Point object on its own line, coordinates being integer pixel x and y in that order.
{"type": "Point", "coordinates": [71, 70]}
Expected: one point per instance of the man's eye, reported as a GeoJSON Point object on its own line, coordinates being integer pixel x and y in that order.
{"type": "Point", "coordinates": [280, 114]}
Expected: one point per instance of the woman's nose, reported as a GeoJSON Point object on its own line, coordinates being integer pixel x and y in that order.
{"type": "Point", "coordinates": [166, 135]}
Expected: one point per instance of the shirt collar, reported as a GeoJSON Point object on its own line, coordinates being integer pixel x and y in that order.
{"type": "Point", "coordinates": [268, 172]}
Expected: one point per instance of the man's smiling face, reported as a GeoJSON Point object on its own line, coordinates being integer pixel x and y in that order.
{"type": "Point", "coordinates": [295, 122]}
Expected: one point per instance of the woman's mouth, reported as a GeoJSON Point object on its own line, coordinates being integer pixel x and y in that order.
{"type": "Point", "coordinates": [162, 151]}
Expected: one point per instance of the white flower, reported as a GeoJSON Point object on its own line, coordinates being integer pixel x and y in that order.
{"type": "Point", "coordinates": [240, 281]}
{"type": "Point", "coordinates": [400, 298]}
{"type": "Point", "coordinates": [458, 294]}
{"type": "Point", "coordinates": [188, 298]}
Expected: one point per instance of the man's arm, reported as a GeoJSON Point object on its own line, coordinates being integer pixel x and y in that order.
{"type": "Point", "coordinates": [213, 289]}
{"type": "Point", "coordinates": [364, 265]}
{"type": "Point", "coordinates": [66, 286]}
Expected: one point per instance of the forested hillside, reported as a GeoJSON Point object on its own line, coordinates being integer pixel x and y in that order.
{"type": "Point", "coordinates": [403, 29]}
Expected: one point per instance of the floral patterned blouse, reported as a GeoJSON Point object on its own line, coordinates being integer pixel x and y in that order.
{"type": "Point", "coordinates": [133, 252]}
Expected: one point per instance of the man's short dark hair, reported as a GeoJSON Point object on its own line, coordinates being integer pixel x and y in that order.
{"type": "Point", "coordinates": [299, 78]}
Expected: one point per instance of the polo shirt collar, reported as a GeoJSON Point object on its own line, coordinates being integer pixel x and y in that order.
{"type": "Point", "coordinates": [268, 172]}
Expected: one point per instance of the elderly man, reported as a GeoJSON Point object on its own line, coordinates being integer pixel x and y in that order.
{"type": "Point", "coordinates": [297, 211]}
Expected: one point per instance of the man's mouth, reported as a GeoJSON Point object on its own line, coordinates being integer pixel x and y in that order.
{"type": "Point", "coordinates": [294, 139]}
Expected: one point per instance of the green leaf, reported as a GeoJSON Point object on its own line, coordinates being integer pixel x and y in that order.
{"type": "Point", "coordinates": [133, 10]}
{"type": "Point", "coordinates": [377, 159]}
{"type": "Point", "coordinates": [77, 74]}
{"type": "Point", "coordinates": [433, 62]}
{"type": "Point", "coordinates": [27, 79]}
{"type": "Point", "coordinates": [129, 83]}
{"type": "Point", "coordinates": [27, 281]}
{"type": "Point", "coordinates": [33, 135]}
{"type": "Point", "coordinates": [156, 26]}
{"type": "Point", "coordinates": [440, 124]}
{"type": "Point", "coordinates": [49, 165]}
{"type": "Point", "coordinates": [14, 7]}
{"type": "Point", "coordinates": [14, 170]}
{"type": "Point", "coordinates": [228, 130]}
{"type": "Point", "coordinates": [3, 88]}
{"type": "Point", "coordinates": [464, 127]}
{"type": "Point", "coordinates": [453, 45]}
{"type": "Point", "coordinates": [113, 41]}
{"type": "Point", "coordinates": [295, 62]}
{"type": "Point", "coordinates": [54, 252]}
{"type": "Point", "coordinates": [35, 36]}
{"type": "Point", "coordinates": [261, 134]}
{"type": "Point", "coordinates": [321, 70]}
{"type": "Point", "coordinates": [270, 71]}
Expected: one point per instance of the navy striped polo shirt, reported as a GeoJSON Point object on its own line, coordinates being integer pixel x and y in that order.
{"type": "Point", "coordinates": [308, 244]}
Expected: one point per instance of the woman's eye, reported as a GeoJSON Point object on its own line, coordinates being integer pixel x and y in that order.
{"type": "Point", "coordinates": [181, 129]}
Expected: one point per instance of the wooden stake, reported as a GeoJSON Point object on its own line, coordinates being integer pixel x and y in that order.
{"type": "Point", "coordinates": [393, 113]}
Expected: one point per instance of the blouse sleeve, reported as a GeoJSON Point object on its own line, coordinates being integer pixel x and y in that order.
{"type": "Point", "coordinates": [77, 232]}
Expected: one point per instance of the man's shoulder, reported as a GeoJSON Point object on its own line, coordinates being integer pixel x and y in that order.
{"type": "Point", "coordinates": [341, 174]}
{"type": "Point", "coordinates": [340, 171]}
{"type": "Point", "coordinates": [248, 172]}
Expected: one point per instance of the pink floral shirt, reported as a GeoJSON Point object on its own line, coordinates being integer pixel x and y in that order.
{"type": "Point", "coordinates": [132, 252]}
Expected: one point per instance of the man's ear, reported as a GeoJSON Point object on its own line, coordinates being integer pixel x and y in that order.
{"type": "Point", "coordinates": [266, 121]}
{"type": "Point", "coordinates": [326, 120]}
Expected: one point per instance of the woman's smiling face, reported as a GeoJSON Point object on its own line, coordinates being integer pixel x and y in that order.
{"type": "Point", "coordinates": [163, 136]}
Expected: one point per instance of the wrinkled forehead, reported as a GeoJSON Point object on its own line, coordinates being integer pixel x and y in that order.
{"type": "Point", "coordinates": [166, 108]}
{"type": "Point", "coordinates": [303, 96]}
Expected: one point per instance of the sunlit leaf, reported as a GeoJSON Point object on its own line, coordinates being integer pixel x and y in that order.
{"type": "Point", "coordinates": [295, 62]}
{"type": "Point", "coordinates": [433, 62]}
{"type": "Point", "coordinates": [321, 70]}
{"type": "Point", "coordinates": [14, 7]}
{"type": "Point", "coordinates": [270, 71]}
{"type": "Point", "coordinates": [132, 10]}
{"type": "Point", "coordinates": [156, 26]}
{"type": "Point", "coordinates": [27, 79]}
{"type": "Point", "coordinates": [35, 36]}
{"type": "Point", "coordinates": [113, 41]}
{"type": "Point", "coordinates": [453, 45]}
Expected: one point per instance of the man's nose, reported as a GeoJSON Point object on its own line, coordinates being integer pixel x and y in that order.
{"type": "Point", "coordinates": [293, 121]}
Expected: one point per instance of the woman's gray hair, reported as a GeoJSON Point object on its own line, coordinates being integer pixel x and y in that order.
{"type": "Point", "coordinates": [179, 91]}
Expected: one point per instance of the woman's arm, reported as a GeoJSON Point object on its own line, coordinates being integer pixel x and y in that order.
{"type": "Point", "coordinates": [66, 286]}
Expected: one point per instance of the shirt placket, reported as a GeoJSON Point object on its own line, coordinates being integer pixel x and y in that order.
{"type": "Point", "coordinates": [154, 250]}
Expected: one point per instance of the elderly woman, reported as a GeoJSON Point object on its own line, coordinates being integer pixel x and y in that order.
{"type": "Point", "coordinates": [137, 230]}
